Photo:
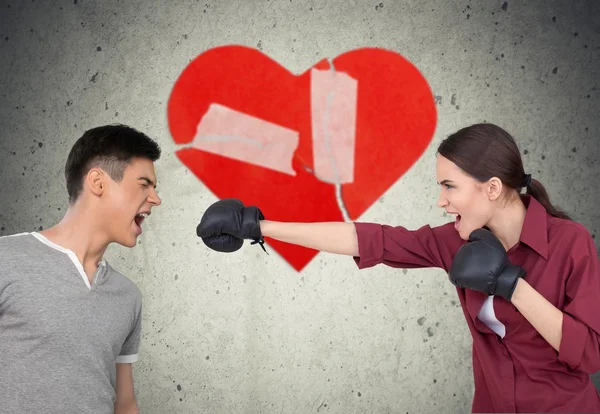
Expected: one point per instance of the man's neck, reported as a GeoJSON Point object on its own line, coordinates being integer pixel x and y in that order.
{"type": "Point", "coordinates": [80, 232]}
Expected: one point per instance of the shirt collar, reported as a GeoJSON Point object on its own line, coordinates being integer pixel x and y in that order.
{"type": "Point", "coordinates": [534, 232]}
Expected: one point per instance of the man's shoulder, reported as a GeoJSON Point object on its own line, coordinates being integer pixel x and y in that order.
{"type": "Point", "coordinates": [11, 239]}
{"type": "Point", "coordinates": [17, 243]}
{"type": "Point", "coordinates": [125, 282]}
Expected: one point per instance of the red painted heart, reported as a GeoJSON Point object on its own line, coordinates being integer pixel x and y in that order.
{"type": "Point", "coordinates": [383, 119]}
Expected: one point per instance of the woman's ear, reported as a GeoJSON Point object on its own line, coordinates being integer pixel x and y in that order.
{"type": "Point", "coordinates": [494, 188]}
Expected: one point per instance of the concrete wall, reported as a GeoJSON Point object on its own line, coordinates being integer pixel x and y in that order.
{"type": "Point", "coordinates": [245, 332]}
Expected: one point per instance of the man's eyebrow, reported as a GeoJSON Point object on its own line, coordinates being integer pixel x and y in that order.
{"type": "Point", "coordinates": [149, 181]}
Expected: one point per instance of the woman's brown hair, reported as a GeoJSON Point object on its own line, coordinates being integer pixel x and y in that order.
{"type": "Point", "coordinates": [484, 151]}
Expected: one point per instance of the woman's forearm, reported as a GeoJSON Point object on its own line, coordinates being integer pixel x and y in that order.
{"type": "Point", "coordinates": [332, 237]}
{"type": "Point", "coordinates": [541, 314]}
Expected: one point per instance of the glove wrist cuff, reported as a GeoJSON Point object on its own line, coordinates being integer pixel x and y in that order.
{"type": "Point", "coordinates": [507, 282]}
{"type": "Point", "coordinates": [250, 223]}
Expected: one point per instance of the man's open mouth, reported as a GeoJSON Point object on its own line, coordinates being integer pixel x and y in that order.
{"type": "Point", "coordinates": [139, 219]}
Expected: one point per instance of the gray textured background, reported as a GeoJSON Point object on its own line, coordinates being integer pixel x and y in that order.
{"type": "Point", "coordinates": [244, 332]}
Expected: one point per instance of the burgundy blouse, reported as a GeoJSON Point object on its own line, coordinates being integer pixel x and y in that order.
{"type": "Point", "coordinates": [520, 372]}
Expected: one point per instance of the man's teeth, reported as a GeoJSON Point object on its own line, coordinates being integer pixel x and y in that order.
{"type": "Point", "coordinates": [144, 215]}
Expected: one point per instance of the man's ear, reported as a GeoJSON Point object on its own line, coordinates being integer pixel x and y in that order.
{"type": "Point", "coordinates": [95, 180]}
{"type": "Point", "coordinates": [494, 188]}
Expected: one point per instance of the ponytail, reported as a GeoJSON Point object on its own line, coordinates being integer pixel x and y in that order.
{"type": "Point", "coordinates": [537, 191]}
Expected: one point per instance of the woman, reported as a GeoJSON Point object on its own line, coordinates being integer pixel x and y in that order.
{"type": "Point", "coordinates": [527, 276]}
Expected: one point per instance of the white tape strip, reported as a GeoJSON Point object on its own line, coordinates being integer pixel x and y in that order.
{"type": "Point", "coordinates": [243, 137]}
{"type": "Point", "coordinates": [333, 110]}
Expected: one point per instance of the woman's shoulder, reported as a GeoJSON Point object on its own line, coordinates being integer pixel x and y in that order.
{"type": "Point", "coordinates": [569, 233]}
{"type": "Point", "coordinates": [560, 227]}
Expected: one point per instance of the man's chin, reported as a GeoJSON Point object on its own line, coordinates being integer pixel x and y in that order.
{"type": "Point", "coordinates": [131, 243]}
{"type": "Point", "coordinates": [127, 241]}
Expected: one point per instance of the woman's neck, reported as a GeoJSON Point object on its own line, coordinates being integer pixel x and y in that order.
{"type": "Point", "coordinates": [507, 222]}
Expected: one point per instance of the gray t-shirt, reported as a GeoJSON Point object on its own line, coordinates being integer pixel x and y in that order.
{"type": "Point", "coordinates": [60, 337]}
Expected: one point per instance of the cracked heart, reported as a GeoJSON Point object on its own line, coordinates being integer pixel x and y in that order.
{"type": "Point", "coordinates": [323, 145]}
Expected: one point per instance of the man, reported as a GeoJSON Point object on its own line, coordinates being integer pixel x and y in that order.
{"type": "Point", "coordinates": [70, 324]}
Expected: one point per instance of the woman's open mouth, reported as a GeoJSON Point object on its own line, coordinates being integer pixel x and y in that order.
{"type": "Point", "coordinates": [457, 222]}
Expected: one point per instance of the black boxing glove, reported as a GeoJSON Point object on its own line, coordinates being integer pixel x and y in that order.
{"type": "Point", "coordinates": [482, 264]}
{"type": "Point", "coordinates": [226, 223]}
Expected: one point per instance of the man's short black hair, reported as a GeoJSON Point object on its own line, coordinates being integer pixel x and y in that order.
{"type": "Point", "coordinates": [110, 147]}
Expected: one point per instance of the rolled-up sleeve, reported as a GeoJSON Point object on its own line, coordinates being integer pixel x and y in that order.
{"type": "Point", "coordinates": [580, 343]}
{"type": "Point", "coordinates": [403, 248]}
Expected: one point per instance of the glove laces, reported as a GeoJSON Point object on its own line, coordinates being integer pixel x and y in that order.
{"type": "Point", "coordinates": [261, 242]}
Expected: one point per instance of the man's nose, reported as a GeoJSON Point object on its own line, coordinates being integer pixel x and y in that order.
{"type": "Point", "coordinates": [155, 199]}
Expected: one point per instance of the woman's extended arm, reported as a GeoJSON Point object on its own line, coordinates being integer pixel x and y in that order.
{"type": "Point", "coordinates": [226, 223]}
{"type": "Point", "coordinates": [331, 237]}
